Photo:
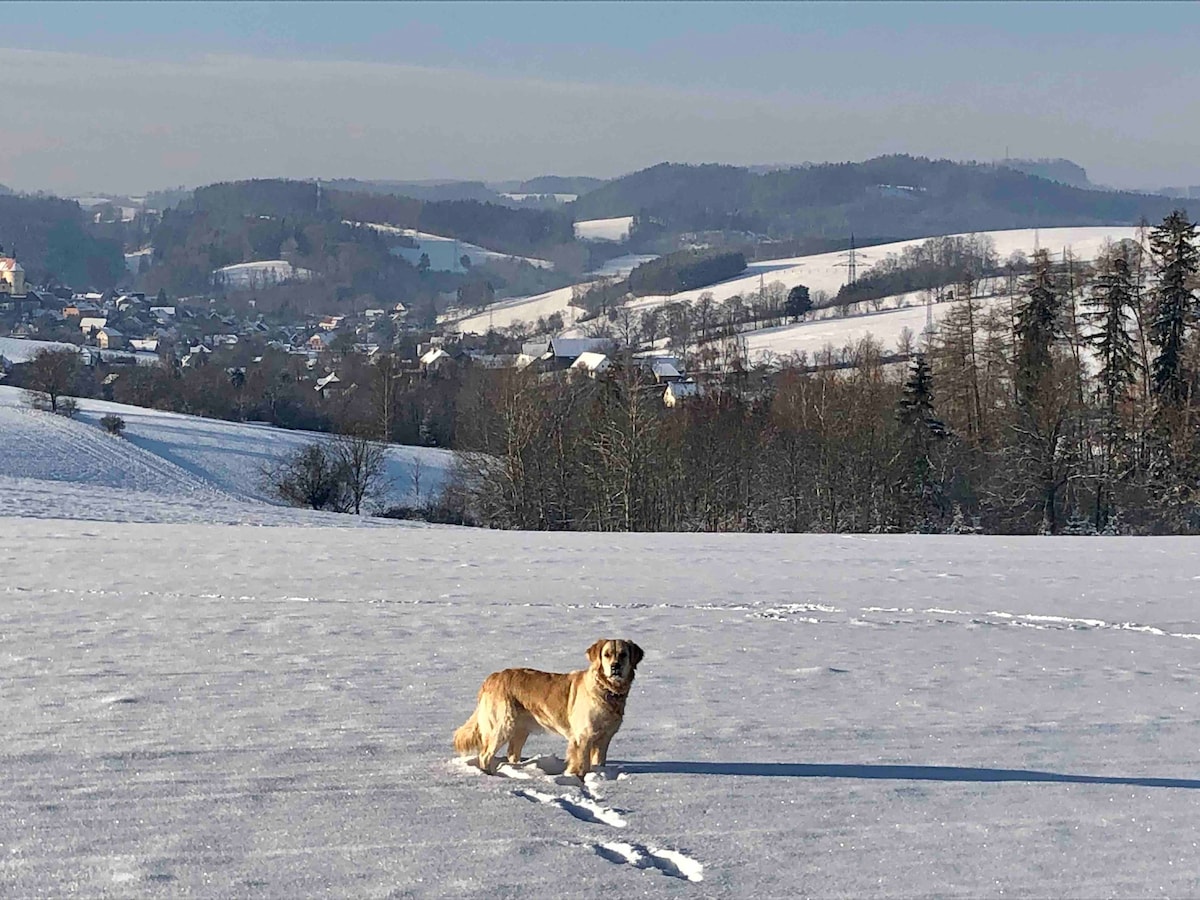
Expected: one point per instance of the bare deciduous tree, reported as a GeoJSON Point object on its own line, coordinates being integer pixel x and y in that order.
{"type": "Point", "coordinates": [362, 465]}
{"type": "Point", "coordinates": [309, 477]}
{"type": "Point", "coordinates": [51, 375]}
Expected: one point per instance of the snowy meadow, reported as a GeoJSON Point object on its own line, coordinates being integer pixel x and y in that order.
{"type": "Point", "coordinates": [239, 711]}
{"type": "Point", "coordinates": [206, 694]}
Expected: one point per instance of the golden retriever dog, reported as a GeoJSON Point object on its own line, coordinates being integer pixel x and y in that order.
{"type": "Point", "coordinates": [585, 707]}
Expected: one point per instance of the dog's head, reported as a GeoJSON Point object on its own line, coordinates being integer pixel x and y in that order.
{"type": "Point", "coordinates": [616, 659]}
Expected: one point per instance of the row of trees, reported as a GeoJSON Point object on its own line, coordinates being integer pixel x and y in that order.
{"type": "Point", "coordinates": [928, 266]}
{"type": "Point", "coordinates": [1072, 406]}
{"type": "Point", "coordinates": [383, 400]}
{"type": "Point", "coordinates": [684, 270]}
{"type": "Point", "coordinates": [698, 323]}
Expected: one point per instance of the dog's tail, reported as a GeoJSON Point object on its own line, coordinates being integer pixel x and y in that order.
{"type": "Point", "coordinates": [467, 738]}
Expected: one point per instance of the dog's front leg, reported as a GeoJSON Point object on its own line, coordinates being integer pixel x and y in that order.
{"type": "Point", "coordinates": [579, 756]}
{"type": "Point", "coordinates": [600, 751]}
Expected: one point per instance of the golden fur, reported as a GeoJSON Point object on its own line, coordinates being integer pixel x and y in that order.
{"type": "Point", "coordinates": [586, 707]}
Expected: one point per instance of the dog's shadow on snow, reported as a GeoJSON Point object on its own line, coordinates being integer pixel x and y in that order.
{"type": "Point", "coordinates": [888, 773]}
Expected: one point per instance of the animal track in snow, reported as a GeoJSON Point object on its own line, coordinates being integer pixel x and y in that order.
{"type": "Point", "coordinates": [583, 806]}
{"type": "Point", "coordinates": [793, 612]}
{"type": "Point", "coordinates": [580, 807]}
{"type": "Point", "coordinates": [669, 862]}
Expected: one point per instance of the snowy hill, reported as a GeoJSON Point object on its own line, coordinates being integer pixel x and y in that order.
{"type": "Point", "coordinates": [614, 229]}
{"type": "Point", "coordinates": [820, 272]}
{"type": "Point", "coordinates": [228, 712]}
{"type": "Point", "coordinates": [19, 350]}
{"type": "Point", "coordinates": [445, 253]}
{"type": "Point", "coordinates": [167, 467]}
{"type": "Point", "coordinates": [260, 273]}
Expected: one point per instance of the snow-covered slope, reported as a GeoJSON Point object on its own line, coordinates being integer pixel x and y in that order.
{"type": "Point", "coordinates": [615, 229]}
{"type": "Point", "coordinates": [507, 313]}
{"type": "Point", "coordinates": [167, 467]}
{"type": "Point", "coordinates": [827, 271]}
{"type": "Point", "coordinates": [824, 272]}
{"type": "Point", "coordinates": [227, 712]}
{"type": "Point", "coordinates": [451, 248]}
{"type": "Point", "coordinates": [19, 350]}
{"type": "Point", "coordinates": [884, 326]}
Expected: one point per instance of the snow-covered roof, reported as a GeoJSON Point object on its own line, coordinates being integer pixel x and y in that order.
{"type": "Point", "coordinates": [677, 390]}
{"type": "Point", "coordinates": [329, 379]}
{"type": "Point", "coordinates": [592, 362]}
{"type": "Point", "coordinates": [664, 369]}
{"type": "Point", "coordinates": [8, 264]}
{"type": "Point", "coordinates": [573, 347]}
{"type": "Point", "coordinates": [432, 356]}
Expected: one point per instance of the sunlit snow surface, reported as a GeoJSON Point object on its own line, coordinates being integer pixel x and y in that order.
{"type": "Point", "coordinates": [168, 467]}
{"type": "Point", "coordinates": [226, 710]}
{"type": "Point", "coordinates": [820, 272]}
{"type": "Point", "coordinates": [231, 711]}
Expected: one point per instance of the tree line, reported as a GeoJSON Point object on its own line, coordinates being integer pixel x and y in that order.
{"type": "Point", "coordinates": [1071, 406]}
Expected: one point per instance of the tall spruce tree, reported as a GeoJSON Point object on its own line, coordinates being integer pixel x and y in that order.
{"type": "Point", "coordinates": [919, 487]}
{"type": "Point", "coordinates": [1042, 453]}
{"type": "Point", "coordinates": [1176, 260]}
{"type": "Point", "coordinates": [1038, 327]}
{"type": "Point", "coordinates": [1110, 312]}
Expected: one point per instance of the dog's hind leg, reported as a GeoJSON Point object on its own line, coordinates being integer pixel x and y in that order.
{"type": "Point", "coordinates": [500, 721]}
{"type": "Point", "coordinates": [516, 743]}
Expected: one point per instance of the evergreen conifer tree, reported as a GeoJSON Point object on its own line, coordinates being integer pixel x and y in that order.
{"type": "Point", "coordinates": [1176, 260]}
{"type": "Point", "coordinates": [1110, 312]}
{"type": "Point", "coordinates": [922, 430]}
{"type": "Point", "coordinates": [1037, 327]}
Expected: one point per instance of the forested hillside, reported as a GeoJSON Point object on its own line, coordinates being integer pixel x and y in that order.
{"type": "Point", "coordinates": [53, 243]}
{"type": "Point", "coordinates": [900, 196]}
{"type": "Point", "coordinates": [234, 222]}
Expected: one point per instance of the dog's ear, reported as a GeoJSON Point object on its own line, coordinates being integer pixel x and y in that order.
{"type": "Point", "coordinates": [636, 652]}
{"type": "Point", "coordinates": [593, 652]}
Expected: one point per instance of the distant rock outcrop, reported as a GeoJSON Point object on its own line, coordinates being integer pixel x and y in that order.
{"type": "Point", "coordinates": [1061, 170]}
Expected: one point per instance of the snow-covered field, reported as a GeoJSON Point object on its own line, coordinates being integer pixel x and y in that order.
{"type": "Point", "coordinates": [223, 710]}
{"type": "Point", "coordinates": [445, 252]}
{"type": "Point", "coordinates": [507, 313]}
{"type": "Point", "coordinates": [259, 273]}
{"type": "Point", "coordinates": [167, 468]}
{"type": "Point", "coordinates": [614, 229]}
{"type": "Point", "coordinates": [220, 711]}
{"type": "Point", "coordinates": [19, 350]}
{"type": "Point", "coordinates": [621, 266]}
{"type": "Point", "coordinates": [884, 326]}
{"type": "Point", "coordinates": [824, 272]}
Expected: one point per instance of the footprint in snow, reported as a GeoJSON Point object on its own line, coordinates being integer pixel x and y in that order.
{"type": "Point", "coordinates": [669, 862]}
{"type": "Point", "coordinates": [582, 808]}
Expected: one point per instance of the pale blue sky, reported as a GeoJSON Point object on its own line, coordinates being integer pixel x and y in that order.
{"type": "Point", "coordinates": [135, 96]}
